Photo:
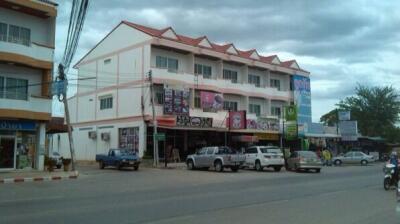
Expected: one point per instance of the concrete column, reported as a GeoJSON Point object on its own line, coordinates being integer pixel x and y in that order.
{"type": "Point", "coordinates": [268, 107]}
{"type": "Point", "coordinates": [185, 141]}
{"type": "Point", "coordinates": [40, 147]}
{"type": "Point", "coordinates": [267, 78]}
{"type": "Point", "coordinates": [244, 103]}
{"type": "Point", "coordinates": [191, 63]}
{"type": "Point", "coordinates": [192, 98]}
{"type": "Point", "coordinates": [220, 69]}
{"type": "Point", "coordinates": [244, 77]}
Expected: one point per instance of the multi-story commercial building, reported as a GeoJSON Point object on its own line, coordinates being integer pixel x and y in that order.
{"type": "Point", "coordinates": [196, 82]}
{"type": "Point", "coordinates": [27, 33]}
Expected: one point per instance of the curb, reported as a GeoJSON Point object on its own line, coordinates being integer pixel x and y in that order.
{"type": "Point", "coordinates": [35, 179]}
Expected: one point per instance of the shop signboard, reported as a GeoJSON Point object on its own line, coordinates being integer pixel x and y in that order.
{"type": "Point", "coordinates": [237, 120]}
{"type": "Point", "coordinates": [290, 130]}
{"type": "Point", "coordinates": [199, 122]}
{"type": "Point", "coordinates": [17, 125]}
{"type": "Point", "coordinates": [348, 130]}
{"type": "Point", "coordinates": [176, 102]}
{"type": "Point", "coordinates": [211, 102]}
{"type": "Point", "coordinates": [267, 124]}
{"type": "Point", "coordinates": [160, 136]}
{"type": "Point", "coordinates": [302, 98]}
{"type": "Point", "coordinates": [291, 113]}
{"type": "Point", "coordinates": [344, 115]}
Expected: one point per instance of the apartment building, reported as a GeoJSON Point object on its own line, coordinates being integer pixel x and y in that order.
{"type": "Point", "coordinates": [27, 33]}
{"type": "Point", "coordinates": [113, 108]}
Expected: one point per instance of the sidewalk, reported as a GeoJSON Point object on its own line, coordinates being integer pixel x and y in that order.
{"type": "Point", "coordinates": [17, 176]}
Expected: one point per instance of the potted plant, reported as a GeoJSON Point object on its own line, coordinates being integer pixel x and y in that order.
{"type": "Point", "coordinates": [66, 163]}
{"type": "Point", "coordinates": [49, 163]}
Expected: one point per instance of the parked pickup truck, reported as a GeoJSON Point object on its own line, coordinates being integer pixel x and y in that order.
{"type": "Point", "coordinates": [219, 157]}
{"type": "Point", "coordinates": [118, 158]}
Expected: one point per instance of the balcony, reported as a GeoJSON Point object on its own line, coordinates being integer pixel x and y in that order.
{"type": "Point", "coordinates": [33, 104]}
{"type": "Point", "coordinates": [33, 54]}
{"type": "Point", "coordinates": [220, 85]}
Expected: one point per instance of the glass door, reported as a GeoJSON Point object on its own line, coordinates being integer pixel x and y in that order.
{"type": "Point", "coordinates": [7, 152]}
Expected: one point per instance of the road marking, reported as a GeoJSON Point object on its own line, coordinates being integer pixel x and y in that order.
{"type": "Point", "coordinates": [30, 199]}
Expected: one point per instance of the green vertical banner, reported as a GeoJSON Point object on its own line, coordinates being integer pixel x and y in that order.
{"type": "Point", "coordinates": [291, 130]}
{"type": "Point", "coordinates": [291, 113]}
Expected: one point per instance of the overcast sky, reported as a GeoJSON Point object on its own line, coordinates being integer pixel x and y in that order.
{"type": "Point", "coordinates": [341, 43]}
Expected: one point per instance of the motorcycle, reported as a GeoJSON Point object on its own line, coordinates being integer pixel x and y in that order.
{"type": "Point", "coordinates": [390, 180]}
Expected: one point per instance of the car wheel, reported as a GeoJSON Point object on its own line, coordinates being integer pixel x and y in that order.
{"type": "Point", "coordinates": [101, 165]}
{"type": "Point", "coordinates": [218, 166]}
{"type": "Point", "coordinates": [258, 166]}
{"type": "Point", "coordinates": [136, 168]}
{"type": "Point", "coordinates": [235, 168]}
{"type": "Point", "coordinates": [190, 165]}
{"type": "Point", "coordinates": [58, 166]}
{"type": "Point", "coordinates": [318, 170]}
{"type": "Point", "coordinates": [277, 168]}
{"type": "Point", "coordinates": [386, 183]}
{"type": "Point", "coordinates": [338, 162]}
{"type": "Point", "coordinates": [119, 167]}
{"type": "Point", "coordinates": [364, 162]}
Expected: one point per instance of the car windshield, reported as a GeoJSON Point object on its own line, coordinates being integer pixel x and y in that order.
{"type": "Point", "coordinates": [270, 150]}
{"type": "Point", "coordinates": [225, 150]}
{"type": "Point", "coordinates": [124, 152]}
{"type": "Point", "coordinates": [307, 154]}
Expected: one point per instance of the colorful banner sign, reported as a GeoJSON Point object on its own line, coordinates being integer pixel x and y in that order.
{"type": "Point", "coordinates": [267, 124]}
{"type": "Point", "coordinates": [176, 102]}
{"type": "Point", "coordinates": [302, 98]}
{"type": "Point", "coordinates": [291, 113]}
{"type": "Point", "coordinates": [211, 102]}
{"type": "Point", "coordinates": [237, 120]}
{"type": "Point", "coordinates": [199, 122]}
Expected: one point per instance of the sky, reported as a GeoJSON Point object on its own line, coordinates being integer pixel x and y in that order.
{"type": "Point", "coordinates": [341, 43]}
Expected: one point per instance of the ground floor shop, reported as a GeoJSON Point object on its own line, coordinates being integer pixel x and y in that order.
{"type": "Point", "coordinates": [22, 144]}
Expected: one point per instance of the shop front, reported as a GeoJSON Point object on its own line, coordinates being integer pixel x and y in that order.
{"type": "Point", "coordinates": [18, 144]}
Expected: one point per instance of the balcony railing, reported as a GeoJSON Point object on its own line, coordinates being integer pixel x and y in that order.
{"type": "Point", "coordinates": [35, 104]}
{"type": "Point", "coordinates": [27, 48]}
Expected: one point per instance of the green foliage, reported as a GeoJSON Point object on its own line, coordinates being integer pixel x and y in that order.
{"type": "Point", "coordinates": [375, 108]}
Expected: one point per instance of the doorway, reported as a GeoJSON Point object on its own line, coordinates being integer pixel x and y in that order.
{"type": "Point", "coordinates": [7, 152]}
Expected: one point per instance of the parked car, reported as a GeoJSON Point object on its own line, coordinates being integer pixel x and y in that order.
{"type": "Point", "coordinates": [219, 157]}
{"type": "Point", "coordinates": [353, 157]}
{"type": "Point", "coordinates": [118, 158]}
{"type": "Point", "coordinates": [304, 160]}
{"type": "Point", "coordinates": [258, 157]}
{"type": "Point", "coordinates": [57, 158]}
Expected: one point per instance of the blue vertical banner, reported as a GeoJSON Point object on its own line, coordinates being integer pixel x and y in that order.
{"type": "Point", "coordinates": [302, 99]}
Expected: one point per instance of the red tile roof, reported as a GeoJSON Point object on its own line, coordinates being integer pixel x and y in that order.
{"type": "Point", "coordinates": [216, 47]}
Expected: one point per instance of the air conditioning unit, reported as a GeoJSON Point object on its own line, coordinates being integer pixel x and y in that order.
{"type": "Point", "coordinates": [105, 136]}
{"type": "Point", "coordinates": [92, 134]}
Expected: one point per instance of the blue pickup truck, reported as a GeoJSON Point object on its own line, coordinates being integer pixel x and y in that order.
{"type": "Point", "coordinates": [118, 158]}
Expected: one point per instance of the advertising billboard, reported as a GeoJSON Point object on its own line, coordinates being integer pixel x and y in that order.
{"type": "Point", "coordinates": [211, 102]}
{"type": "Point", "coordinates": [176, 101]}
{"type": "Point", "coordinates": [344, 115]}
{"type": "Point", "coordinates": [237, 119]}
{"type": "Point", "coordinates": [302, 98]}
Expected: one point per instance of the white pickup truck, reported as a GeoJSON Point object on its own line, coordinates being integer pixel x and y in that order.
{"type": "Point", "coordinates": [219, 157]}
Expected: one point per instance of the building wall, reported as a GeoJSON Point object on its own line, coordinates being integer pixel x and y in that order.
{"type": "Point", "coordinates": [284, 79]}
{"type": "Point", "coordinates": [183, 59]}
{"type": "Point", "coordinates": [86, 148]}
{"type": "Point", "coordinates": [213, 64]}
{"type": "Point", "coordinates": [42, 30]}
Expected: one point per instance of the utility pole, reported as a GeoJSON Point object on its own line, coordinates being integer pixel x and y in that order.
{"type": "Point", "coordinates": [67, 118]}
{"type": "Point", "coordinates": [155, 139]}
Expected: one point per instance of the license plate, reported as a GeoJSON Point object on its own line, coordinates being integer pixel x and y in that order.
{"type": "Point", "coordinates": [130, 163]}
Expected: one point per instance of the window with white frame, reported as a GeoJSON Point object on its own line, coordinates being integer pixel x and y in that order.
{"type": "Point", "coordinates": [160, 97]}
{"type": "Point", "coordinates": [254, 79]}
{"type": "Point", "coordinates": [276, 83]}
{"type": "Point", "coordinates": [107, 61]}
{"type": "Point", "coordinates": [255, 109]}
{"type": "Point", "coordinates": [12, 88]}
{"type": "Point", "coordinates": [19, 35]}
{"type": "Point", "coordinates": [230, 75]}
{"type": "Point", "coordinates": [204, 70]}
{"type": "Point", "coordinates": [106, 102]}
{"type": "Point", "coordinates": [230, 105]}
{"type": "Point", "coordinates": [3, 32]}
{"type": "Point", "coordinates": [276, 111]}
{"type": "Point", "coordinates": [165, 62]}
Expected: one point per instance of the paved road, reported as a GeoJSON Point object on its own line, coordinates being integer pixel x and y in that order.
{"type": "Point", "coordinates": [337, 195]}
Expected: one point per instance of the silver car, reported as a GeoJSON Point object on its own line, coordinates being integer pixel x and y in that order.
{"type": "Point", "coordinates": [353, 157]}
{"type": "Point", "coordinates": [304, 160]}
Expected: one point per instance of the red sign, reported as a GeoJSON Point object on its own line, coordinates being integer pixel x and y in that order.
{"type": "Point", "coordinates": [237, 119]}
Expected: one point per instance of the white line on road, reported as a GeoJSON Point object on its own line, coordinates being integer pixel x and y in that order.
{"type": "Point", "coordinates": [30, 199]}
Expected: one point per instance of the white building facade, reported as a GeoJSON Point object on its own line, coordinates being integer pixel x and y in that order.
{"type": "Point", "coordinates": [112, 108]}
{"type": "Point", "coordinates": [27, 34]}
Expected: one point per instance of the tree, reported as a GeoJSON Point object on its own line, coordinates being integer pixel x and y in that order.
{"type": "Point", "coordinates": [375, 108]}
{"type": "Point", "coordinates": [329, 119]}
